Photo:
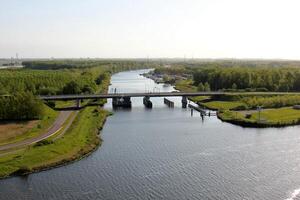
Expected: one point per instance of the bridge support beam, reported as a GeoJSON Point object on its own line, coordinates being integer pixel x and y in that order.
{"type": "Point", "coordinates": [184, 101]}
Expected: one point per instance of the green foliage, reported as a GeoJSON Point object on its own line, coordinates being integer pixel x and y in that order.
{"type": "Point", "coordinates": [201, 87]}
{"type": "Point", "coordinates": [256, 78]}
{"type": "Point", "coordinates": [23, 170]}
{"type": "Point", "coordinates": [20, 106]}
{"type": "Point", "coordinates": [272, 102]}
{"type": "Point", "coordinates": [43, 142]}
{"type": "Point", "coordinates": [71, 88]}
{"type": "Point", "coordinates": [51, 104]}
{"type": "Point", "coordinates": [39, 80]}
{"type": "Point", "coordinates": [206, 87]}
{"type": "Point", "coordinates": [170, 70]}
{"type": "Point", "coordinates": [234, 86]}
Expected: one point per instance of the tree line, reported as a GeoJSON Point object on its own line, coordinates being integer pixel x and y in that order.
{"type": "Point", "coordinates": [20, 106]}
{"type": "Point", "coordinates": [283, 79]}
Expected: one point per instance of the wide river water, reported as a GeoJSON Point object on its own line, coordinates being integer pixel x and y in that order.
{"type": "Point", "coordinates": [165, 153]}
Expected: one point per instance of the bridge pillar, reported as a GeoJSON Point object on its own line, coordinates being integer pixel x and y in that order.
{"type": "Point", "coordinates": [184, 101]}
{"type": "Point", "coordinates": [77, 103]}
{"type": "Point", "coordinates": [147, 102]}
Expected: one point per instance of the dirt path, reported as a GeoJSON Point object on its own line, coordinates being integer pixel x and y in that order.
{"type": "Point", "coordinates": [57, 125]}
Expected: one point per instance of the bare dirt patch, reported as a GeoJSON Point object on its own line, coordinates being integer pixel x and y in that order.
{"type": "Point", "coordinates": [10, 130]}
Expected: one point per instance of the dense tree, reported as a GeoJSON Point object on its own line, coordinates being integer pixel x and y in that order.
{"type": "Point", "coordinates": [71, 88]}
{"type": "Point", "coordinates": [255, 78]}
{"type": "Point", "coordinates": [206, 87]}
{"type": "Point", "coordinates": [201, 87]}
{"type": "Point", "coordinates": [21, 105]}
{"type": "Point", "coordinates": [87, 89]}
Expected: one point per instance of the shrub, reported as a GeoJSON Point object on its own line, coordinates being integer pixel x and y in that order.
{"type": "Point", "coordinates": [43, 142]}
{"type": "Point", "coordinates": [23, 170]}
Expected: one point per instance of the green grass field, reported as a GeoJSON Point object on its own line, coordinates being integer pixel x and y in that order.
{"type": "Point", "coordinates": [285, 115]}
{"type": "Point", "coordinates": [273, 117]}
{"type": "Point", "coordinates": [223, 105]}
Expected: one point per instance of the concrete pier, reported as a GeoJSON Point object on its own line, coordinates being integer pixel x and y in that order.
{"type": "Point", "coordinates": [184, 101]}
{"type": "Point", "coordinates": [77, 103]}
{"type": "Point", "coordinates": [147, 102]}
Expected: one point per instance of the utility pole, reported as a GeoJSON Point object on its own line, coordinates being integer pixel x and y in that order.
{"type": "Point", "coordinates": [259, 108]}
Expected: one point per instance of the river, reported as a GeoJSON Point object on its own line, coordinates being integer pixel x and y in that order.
{"type": "Point", "coordinates": [165, 153]}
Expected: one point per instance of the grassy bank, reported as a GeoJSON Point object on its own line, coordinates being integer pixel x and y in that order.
{"type": "Point", "coordinates": [80, 139]}
{"type": "Point", "coordinates": [222, 105]}
{"type": "Point", "coordinates": [279, 117]}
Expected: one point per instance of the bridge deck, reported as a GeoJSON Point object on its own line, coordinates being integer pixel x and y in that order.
{"type": "Point", "coordinates": [160, 94]}
{"type": "Point", "coordinates": [120, 95]}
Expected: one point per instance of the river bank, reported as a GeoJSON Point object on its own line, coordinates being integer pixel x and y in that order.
{"type": "Point", "coordinates": [79, 141]}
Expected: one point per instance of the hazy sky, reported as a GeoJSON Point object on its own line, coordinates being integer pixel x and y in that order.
{"type": "Point", "coordinates": [154, 28]}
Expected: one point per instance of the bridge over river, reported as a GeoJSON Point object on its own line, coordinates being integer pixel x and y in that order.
{"type": "Point", "coordinates": [123, 99]}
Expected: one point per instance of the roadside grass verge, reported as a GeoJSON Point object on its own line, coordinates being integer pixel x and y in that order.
{"type": "Point", "coordinates": [80, 139]}
{"type": "Point", "coordinates": [64, 127]}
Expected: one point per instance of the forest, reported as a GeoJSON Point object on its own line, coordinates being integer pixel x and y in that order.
{"type": "Point", "coordinates": [285, 79]}
{"type": "Point", "coordinates": [21, 106]}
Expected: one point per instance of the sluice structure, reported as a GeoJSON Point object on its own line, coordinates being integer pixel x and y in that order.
{"type": "Point", "coordinates": [124, 102]}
